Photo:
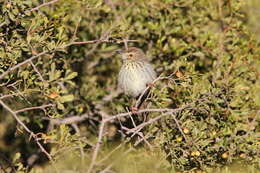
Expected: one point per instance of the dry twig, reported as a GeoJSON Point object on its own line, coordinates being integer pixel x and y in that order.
{"type": "Point", "coordinates": [36, 139]}
{"type": "Point", "coordinates": [33, 108]}
{"type": "Point", "coordinates": [95, 153]}
{"type": "Point", "coordinates": [70, 120]}
{"type": "Point", "coordinates": [42, 5]}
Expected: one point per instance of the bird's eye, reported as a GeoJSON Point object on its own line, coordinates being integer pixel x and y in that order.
{"type": "Point", "coordinates": [130, 55]}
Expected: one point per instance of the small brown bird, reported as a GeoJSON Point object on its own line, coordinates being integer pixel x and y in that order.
{"type": "Point", "coordinates": [135, 73]}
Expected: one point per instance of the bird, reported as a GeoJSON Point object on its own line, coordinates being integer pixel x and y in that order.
{"type": "Point", "coordinates": [136, 74]}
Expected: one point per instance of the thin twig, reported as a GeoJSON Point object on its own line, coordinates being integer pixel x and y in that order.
{"type": "Point", "coordinates": [37, 71]}
{"type": "Point", "coordinates": [144, 138]}
{"type": "Point", "coordinates": [100, 135]}
{"type": "Point", "coordinates": [74, 37]}
{"type": "Point", "coordinates": [139, 133]}
{"type": "Point", "coordinates": [107, 169]}
{"type": "Point", "coordinates": [133, 122]}
{"type": "Point", "coordinates": [180, 129]}
{"type": "Point", "coordinates": [36, 139]}
{"type": "Point", "coordinates": [33, 108]}
{"type": "Point", "coordinates": [100, 41]}
{"type": "Point", "coordinates": [120, 115]}
{"type": "Point", "coordinates": [70, 120]}
{"type": "Point", "coordinates": [76, 128]}
{"type": "Point", "coordinates": [110, 153]}
{"type": "Point", "coordinates": [77, 119]}
{"type": "Point", "coordinates": [13, 84]}
{"type": "Point", "coordinates": [103, 36]}
{"type": "Point", "coordinates": [125, 43]}
{"type": "Point", "coordinates": [60, 47]}
{"type": "Point", "coordinates": [22, 63]}
{"type": "Point", "coordinates": [139, 127]}
{"type": "Point", "coordinates": [42, 5]}
{"type": "Point", "coordinates": [16, 94]}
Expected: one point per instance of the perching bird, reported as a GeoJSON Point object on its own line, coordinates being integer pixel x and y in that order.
{"type": "Point", "coordinates": [136, 73]}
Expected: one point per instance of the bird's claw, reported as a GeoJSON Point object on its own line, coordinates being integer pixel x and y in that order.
{"type": "Point", "coordinates": [134, 109]}
{"type": "Point", "coordinates": [150, 85]}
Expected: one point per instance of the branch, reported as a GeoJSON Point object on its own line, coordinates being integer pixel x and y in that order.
{"type": "Point", "coordinates": [139, 127]}
{"type": "Point", "coordinates": [101, 41]}
{"type": "Point", "coordinates": [22, 63]}
{"type": "Point", "coordinates": [77, 119]}
{"type": "Point", "coordinates": [17, 94]}
{"type": "Point", "coordinates": [180, 128]}
{"type": "Point", "coordinates": [76, 30]}
{"type": "Point", "coordinates": [60, 47]}
{"type": "Point", "coordinates": [42, 5]}
{"type": "Point", "coordinates": [37, 71]}
{"type": "Point", "coordinates": [70, 120]}
{"type": "Point", "coordinates": [139, 112]}
{"type": "Point", "coordinates": [100, 135]}
{"type": "Point", "coordinates": [105, 120]}
{"type": "Point", "coordinates": [32, 108]}
{"type": "Point", "coordinates": [36, 139]}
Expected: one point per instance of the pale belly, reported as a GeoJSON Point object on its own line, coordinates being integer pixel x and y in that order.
{"type": "Point", "coordinates": [134, 81]}
{"type": "Point", "coordinates": [135, 86]}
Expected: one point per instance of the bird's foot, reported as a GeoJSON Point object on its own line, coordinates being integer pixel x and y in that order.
{"type": "Point", "coordinates": [150, 85]}
{"type": "Point", "coordinates": [134, 109]}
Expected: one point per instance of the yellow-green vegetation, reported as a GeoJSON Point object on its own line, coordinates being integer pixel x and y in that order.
{"type": "Point", "coordinates": [59, 97]}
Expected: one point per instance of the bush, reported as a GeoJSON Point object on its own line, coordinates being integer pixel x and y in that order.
{"type": "Point", "coordinates": [59, 81]}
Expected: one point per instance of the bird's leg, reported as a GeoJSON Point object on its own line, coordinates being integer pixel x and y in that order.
{"type": "Point", "coordinates": [139, 100]}
{"type": "Point", "coordinates": [133, 107]}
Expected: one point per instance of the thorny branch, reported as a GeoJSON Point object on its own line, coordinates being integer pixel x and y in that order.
{"type": "Point", "coordinates": [173, 111]}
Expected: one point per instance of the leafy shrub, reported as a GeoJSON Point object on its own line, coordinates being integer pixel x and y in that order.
{"type": "Point", "coordinates": [204, 47]}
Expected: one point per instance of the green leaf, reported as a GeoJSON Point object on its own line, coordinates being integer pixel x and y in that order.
{"type": "Point", "coordinates": [54, 74]}
{"type": "Point", "coordinates": [16, 157]}
{"type": "Point", "coordinates": [66, 98]}
{"type": "Point", "coordinates": [60, 106]}
{"type": "Point", "coordinates": [71, 75]}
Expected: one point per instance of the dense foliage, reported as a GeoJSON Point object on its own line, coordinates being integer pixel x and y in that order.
{"type": "Point", "coordinates": [205, 51]}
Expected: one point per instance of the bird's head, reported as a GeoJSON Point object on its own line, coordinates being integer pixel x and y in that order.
{"type": "Point", "coordinates": [133, 54]}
